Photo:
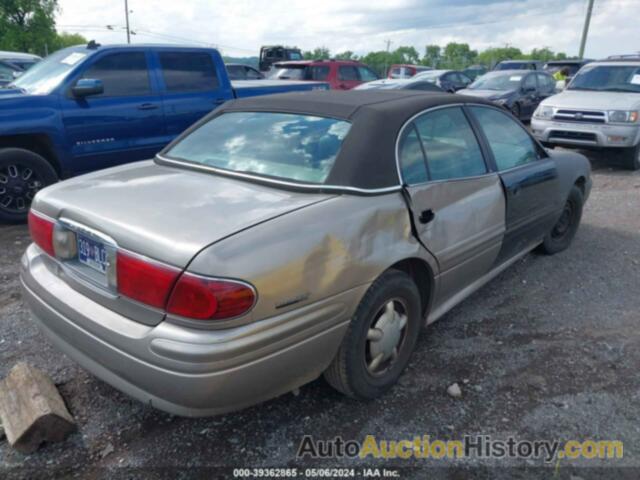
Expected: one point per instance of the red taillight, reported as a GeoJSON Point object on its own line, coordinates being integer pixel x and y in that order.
{"type": "Point", "coordinates": [145, 281]}
{"type": "Point", "coordinates": [203, 298]}
{"type": "Point", "coordinates": [41, 231]}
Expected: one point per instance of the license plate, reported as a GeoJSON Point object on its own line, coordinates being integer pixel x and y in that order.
{"type": "Point", "coordinates": [92, 254]}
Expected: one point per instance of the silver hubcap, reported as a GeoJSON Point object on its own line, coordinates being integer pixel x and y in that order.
{"type": "Point", "coordinates": [385, 337]}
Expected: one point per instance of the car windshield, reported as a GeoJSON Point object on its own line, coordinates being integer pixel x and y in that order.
{"type": "Point", "coordinates": [301, 148]}
{"type": "Point", "coordinates": [429, 76]}
{"type": "Point", "coordinates": [295, 56]}
{"type": "Point", "coordinates": [47, 74]}
{"type": "Point", "coordinates": [607, 78]}
{"type": "Point", "coordinates": [497, 81]}
{"type": "Point", "coordinates": [289, 73]}
{"type": "Point", "coordinates": [556, 67]}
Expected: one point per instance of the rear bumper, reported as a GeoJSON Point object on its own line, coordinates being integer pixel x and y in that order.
{"type": "Point", "coordinates": [185, 371]}
{"type": "Point", "coordinates": [585, 135]}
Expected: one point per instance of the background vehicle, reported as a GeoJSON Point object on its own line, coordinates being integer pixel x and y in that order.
{"type": "Point", "coordinates": [447, 80]}
{"type": "Point", "coordinates": [22, 60]}
{"type": "Point", "coordinates": [406, 70]}
{"type": "Point", "coordinates": [347, 223]}
{"type": "Point", "coordinates": [519, 65]}
{"type": "Point", "coordinates": [271, 54]}
{"type": "Point", "coordinates": [519, 91]}
{"type": "Point", "coordinates": [599, 109]}
{"type": "Point", "coordinates": [572, 64]}
{"type": "Point", "coordinates": [340, 74]}
{"type": "Point", "coordinates": [400, 84]}
{"type": "Point", "coordinates": [8, 73]}
{"type": "Point", "coordinates": [91, 107]}
{"type": "Point", "coordinates": [475, 71]}
{"type": "Point", "coordinates": [238, 71]}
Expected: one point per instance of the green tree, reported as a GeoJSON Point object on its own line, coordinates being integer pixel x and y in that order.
{"type": "Point", "coordinates": [458, 55]}
{"type": "Point", "coordinates": [405, 55]}
{"type": "Point", "coordinates": [491, 56]}
{"type": "Point", "coordinates": [27, 25]}
{"type": "Point", "coordinates": [432, 56]}
{"type": "Point", "coordinates": [319, 53]}
{"type": "Point", "coordinates": [64, 40]}
{"type": "Point", "coordinates": [347, 55]}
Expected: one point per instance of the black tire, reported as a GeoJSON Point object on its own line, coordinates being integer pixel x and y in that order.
{"type": "Point", "coordinates": [22, 174]}
{"type": "Point", "coordinates": [632, 158]}
{"type": "Point", "coordinates": [349, 371]}
{"type": "Point", "coordinates": [562, 233]}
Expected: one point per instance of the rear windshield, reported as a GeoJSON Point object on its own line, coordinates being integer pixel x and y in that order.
{"type": "Point", "coordinates": [289, 73]}
{"type": "Point", "coordinates": [286, 146]}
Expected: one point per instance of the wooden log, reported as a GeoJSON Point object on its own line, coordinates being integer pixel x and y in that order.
{"type": "Point", "coordinates": [31, 409]}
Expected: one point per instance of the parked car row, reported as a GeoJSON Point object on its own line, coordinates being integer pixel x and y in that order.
{"type": "Point", "coordinates": [90, 107]}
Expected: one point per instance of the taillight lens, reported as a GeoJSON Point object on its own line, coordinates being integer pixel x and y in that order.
{"type": "Point", "coordinates": [41, 230]}
{"type": "Point", "coordinates": [202, 298]}
{"type": "Point", "coordinates": [144, 281]}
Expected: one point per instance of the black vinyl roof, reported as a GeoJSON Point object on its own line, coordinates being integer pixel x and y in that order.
{"type": "Point", "coordinates": [367, 157]}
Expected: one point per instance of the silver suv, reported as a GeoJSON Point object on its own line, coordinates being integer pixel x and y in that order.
{"type": "Point", "coordinates": [599, 109]}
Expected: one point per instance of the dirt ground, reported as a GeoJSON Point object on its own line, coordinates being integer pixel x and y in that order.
{"type": "Point", "coordinates": [548, 350]}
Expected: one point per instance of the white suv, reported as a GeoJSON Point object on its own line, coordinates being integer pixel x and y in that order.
{"type": "Point", "coordinates": [599, 109]}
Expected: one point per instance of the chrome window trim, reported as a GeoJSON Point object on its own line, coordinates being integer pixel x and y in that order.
{"type": "Point", "coordinates": [431, 109]}
{"type": "Point", "coordinates": [303, 186]}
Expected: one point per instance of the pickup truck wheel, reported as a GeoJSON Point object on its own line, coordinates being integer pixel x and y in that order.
{"type": "Point", "coordinates": [22, 174]}
{"type": "Point", "coordinates": [562, 233]}
{"type": "Point", "coordinates": [380, 339]}
{"type": "Point", "coordinates": [633, 158]}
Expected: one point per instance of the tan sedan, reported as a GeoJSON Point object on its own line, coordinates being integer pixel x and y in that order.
{"type": "Point", "coordinates": [288, 236]}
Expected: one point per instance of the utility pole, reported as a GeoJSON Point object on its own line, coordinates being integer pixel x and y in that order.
{"type": "Point", "coordinates": [126, 16]}
{"type": "Point", "coordinates": [386, 57]}
{"type": "Point", "coordinates": [585, 29]}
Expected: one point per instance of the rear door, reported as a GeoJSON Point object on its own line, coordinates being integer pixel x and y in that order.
{"type": "Point", "coordinates": [192, 86]}
{"type": "Point", "coordinates": [124, 123]}
{"type": "Point", "coordinates": [529, 177]}
{"type": "Point", "coordinates": [348, 77]}
{"type": "Point", "coordinates": [457, 203]}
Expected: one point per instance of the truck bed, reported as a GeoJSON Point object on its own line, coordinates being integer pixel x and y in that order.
{"type": "Point", "coordinates": [251, 88]}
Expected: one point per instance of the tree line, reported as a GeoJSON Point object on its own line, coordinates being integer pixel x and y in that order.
{"type": "Point", "coordinates": [29, 26]}
{"type": "Point", "coordinates": [454, 56]}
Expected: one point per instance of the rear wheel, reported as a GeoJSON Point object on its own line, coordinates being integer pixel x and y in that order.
{"type": "Point", "coordinates": [380, 339]}
{"type": "Point", "coordinates": [22, 174]}
{"type": "Point", "coordinates": [562, 233]}
{"type": "Point", "coordinates": [632, 158]}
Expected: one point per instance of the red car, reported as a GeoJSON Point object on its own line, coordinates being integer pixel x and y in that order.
{"type": "Point", "coordinates": [339, 74]}
{"type": "Point", "coordinates": [406, 70]}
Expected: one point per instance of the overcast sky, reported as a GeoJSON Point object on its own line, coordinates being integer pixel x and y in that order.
{"type": "Point", "coordinates": [239, 27]}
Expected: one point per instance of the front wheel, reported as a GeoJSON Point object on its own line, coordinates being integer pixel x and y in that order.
{"type": "Point", "coordinates": [22, 174]}
{"type": "Point", "coordinates": [562, 233]}
{"type": "Point", "coordinates": [380, 339]}
{"type": "Point", "coordinates": [632, 159]}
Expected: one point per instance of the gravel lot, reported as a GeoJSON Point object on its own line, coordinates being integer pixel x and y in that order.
{"type": "Point", "coordinates": [548, 350]}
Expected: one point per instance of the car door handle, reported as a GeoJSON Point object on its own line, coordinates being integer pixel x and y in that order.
{"type": "Point", "coordinates": [218, 101]}
{"type": "Point", "coordinates": [426, 216]}
{"type": "Point", "coordinates": [148, 106]}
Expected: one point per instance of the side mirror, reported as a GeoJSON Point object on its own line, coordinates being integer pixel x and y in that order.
{"type": "Point", "coordinates": [86, 87]}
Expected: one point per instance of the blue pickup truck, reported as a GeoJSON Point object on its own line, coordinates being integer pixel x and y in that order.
{"type": "Point", "coordinates": [90, 107]}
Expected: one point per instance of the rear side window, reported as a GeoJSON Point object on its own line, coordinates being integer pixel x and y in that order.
{"type": "Point", "coordinates": [412, 163]}
{"type": "Point", "coordinates": [450, 145]}
{"type": "Point", "coordinates": [347, 73]}
{"type": "Point", "coordinates": [122, 74]}
{"type": "Point", "coordinates": [235, 72]}
{"type": "Point", "coordinates": [188, 71]}
{"type": "Point", "coordinates": [510, 144]}
{"type": "Point", "coordinates": [367, 75]}
{"type": "Point", "coordinates": [317, 72]}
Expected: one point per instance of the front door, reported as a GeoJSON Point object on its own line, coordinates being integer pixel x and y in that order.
{"type": "Point", "coordinates": [348, 77]}
{"type": "Point", "coordinates": [529, 178]}
{"type": "Point", "coordinates": [123, 124]}
{"type": "Point", "coordinates": [457, 204]}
